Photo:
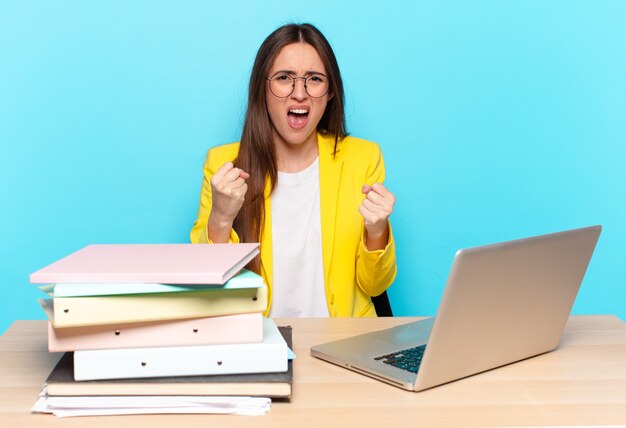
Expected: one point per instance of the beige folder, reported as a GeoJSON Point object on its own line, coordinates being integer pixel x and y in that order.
{"type": "Point", "coordinates": [82, 311]}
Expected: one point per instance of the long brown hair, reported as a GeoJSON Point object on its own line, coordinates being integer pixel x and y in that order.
{"type": "Point", "coordinates": [257, 154]}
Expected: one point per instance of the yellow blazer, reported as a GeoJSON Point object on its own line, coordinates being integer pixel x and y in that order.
{"type": "Point", "coordinates": [351, 273]}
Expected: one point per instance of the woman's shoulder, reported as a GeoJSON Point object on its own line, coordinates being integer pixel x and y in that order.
{"type": "Point", "coordinates": [356, 143]}
{"type": "Point", "coordinates": [351, 147]}
{"type": "Point", "coordinates": [229, 149]}
{"type": "Point", "coordinates": [223, 153]}
{"type": "Point", "coordinates": [358, 149]}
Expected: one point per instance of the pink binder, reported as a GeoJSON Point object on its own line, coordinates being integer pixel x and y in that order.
{"type": "Point", "coordinates": [158, 263]}
{"type": "Point", "coordinates": [240, 328]}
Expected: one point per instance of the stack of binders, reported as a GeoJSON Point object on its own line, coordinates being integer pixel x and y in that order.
{"type": "Point", "coordinates": [162, 319]}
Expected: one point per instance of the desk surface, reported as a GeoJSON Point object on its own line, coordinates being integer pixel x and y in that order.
{"type": "Point", "coordinates": [582, 383]}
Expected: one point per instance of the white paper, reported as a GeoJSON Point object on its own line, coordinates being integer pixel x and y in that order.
{"type": "Point", "coordinates": [132, 405]}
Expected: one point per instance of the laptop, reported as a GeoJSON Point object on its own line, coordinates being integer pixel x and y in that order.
{"type": "Point", "coordinates": [502, 303]}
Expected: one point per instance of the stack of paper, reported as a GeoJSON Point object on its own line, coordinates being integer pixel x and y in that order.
{"type": "Point", "coordinates": [130, 405]}
{"type": "Point", "coordinates": [155, 312]}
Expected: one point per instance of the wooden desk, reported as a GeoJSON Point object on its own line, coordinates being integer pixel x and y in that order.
{"type": "Point", "coordinates": [582, 383]}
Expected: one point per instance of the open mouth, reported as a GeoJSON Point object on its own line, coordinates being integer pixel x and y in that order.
{"type": "Point", "coordinates": [297, 117]}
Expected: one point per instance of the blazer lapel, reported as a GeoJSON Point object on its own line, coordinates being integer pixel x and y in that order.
{"type": "Point", "coordinates": [330, 177]}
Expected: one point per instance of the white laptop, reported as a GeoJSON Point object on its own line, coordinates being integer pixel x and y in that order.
{"type": "Point", "coordinates": [502, 303]}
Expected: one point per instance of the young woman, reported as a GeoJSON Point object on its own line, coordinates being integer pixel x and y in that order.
{"type": "Point", "coordinates": [298, 184]}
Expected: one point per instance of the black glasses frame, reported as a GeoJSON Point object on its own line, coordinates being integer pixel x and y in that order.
{"type": "Point", "coordinates": [293, 84]}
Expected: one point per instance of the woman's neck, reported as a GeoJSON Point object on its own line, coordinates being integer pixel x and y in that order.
{"type": "Point", "coordinates": [293, 158]}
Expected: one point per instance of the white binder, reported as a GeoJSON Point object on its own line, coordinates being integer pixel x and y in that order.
{"type": "Point", "coordinates": [269, 356]}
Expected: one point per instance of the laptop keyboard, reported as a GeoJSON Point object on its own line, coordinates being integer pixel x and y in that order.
{"type": "Point", "coordinates": [407, 359]}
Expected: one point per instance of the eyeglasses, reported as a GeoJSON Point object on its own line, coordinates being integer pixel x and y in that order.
{"type": "Point", "coordinates": [283, 84]}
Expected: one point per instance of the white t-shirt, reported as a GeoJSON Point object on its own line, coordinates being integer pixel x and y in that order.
{"type": "Point", "coordinates": [298, 275]}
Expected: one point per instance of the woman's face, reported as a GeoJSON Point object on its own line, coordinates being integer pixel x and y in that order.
{"type": "Point", "coordinates": [295, 117]}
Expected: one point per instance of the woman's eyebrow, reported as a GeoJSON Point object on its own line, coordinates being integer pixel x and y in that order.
{"type": "Point", "coordinates": [306, 73]}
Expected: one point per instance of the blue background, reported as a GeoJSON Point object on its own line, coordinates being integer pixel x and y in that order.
{"type": "Point", "coordinates": [497, 120]}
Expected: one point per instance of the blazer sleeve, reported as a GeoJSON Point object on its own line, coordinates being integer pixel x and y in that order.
{"type": "Point", "coordinates": [199, 231]}
{"type": "Point", "coordinates": [376, 270]}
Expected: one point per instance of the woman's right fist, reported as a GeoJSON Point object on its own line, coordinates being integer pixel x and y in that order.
{"type": "Point", "coordinates": [228, 186]}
